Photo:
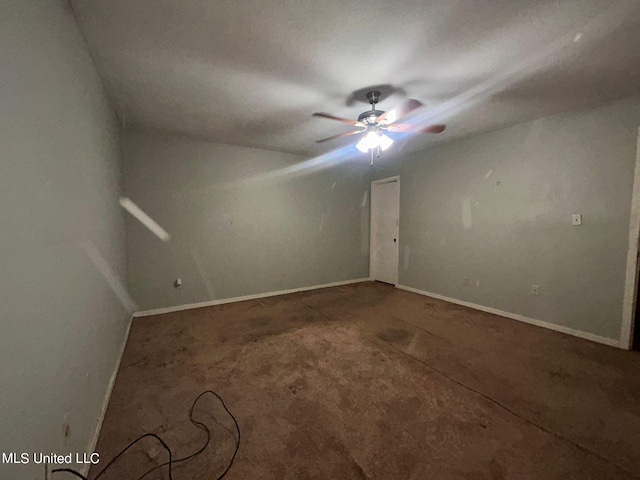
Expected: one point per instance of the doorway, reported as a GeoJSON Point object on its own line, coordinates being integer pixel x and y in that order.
{"type": "Point", "coordinates": [385, 227]}
{"type": "Point", "coordinates": [630, 332]}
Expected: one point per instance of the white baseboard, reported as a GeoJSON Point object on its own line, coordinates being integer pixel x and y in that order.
{"type": "Point", "coordinates": [105, 403]}
{"type": "Point", "coordinates": [189, 306]}
{"type": "Point", "coordinates": [521, 318]}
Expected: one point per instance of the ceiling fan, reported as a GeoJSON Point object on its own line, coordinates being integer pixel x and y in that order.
{"type": "Point", "coordinates": [376, 122]}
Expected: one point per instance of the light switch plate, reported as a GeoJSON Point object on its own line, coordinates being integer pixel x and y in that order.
{"type": "Point", "coordinates": [576, 219]}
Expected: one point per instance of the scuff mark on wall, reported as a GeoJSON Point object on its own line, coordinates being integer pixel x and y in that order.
{"type": "Point", "coordinates": [407, 252]}
{"type": "Point", "coordinates": [323, 221]}
{"type": "Point", "coordinates": [489, 173]}
{"type": "Point", "coordinates": [466, 213]}
{"type": "Point", "coordinates": [227, 219]}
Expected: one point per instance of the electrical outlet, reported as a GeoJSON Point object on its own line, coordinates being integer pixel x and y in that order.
{"type": "Point", "coordinates": [177, 283]}
{"type": "Point", "coordinates": [535, 289]}
{"type": "Point", "coordinates": [466, 281]}
{"type": "Point", "coordinates": [576, 219]}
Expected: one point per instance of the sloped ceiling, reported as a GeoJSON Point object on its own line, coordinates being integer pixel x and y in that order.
{"type": "Point", "coordinates": [251, 72]}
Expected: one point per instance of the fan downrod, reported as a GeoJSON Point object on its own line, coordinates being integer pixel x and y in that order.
{"type": "Point", "coordinates": [374, 97]}
{"type": "Point", "coordinates": [369, 117]}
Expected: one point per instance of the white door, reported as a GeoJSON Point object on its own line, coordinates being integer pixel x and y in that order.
{"type": "Point", "coordinates": [385, 221]}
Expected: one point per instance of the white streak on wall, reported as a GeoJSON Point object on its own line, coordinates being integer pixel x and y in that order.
{"type": "Point", "coordinates": [197, 260]}
{"type": "Point", "coordinates": [407, 252]}
{"type": "Point", "coordinates": [365, 199]}
{"type": "Point", "coordinates": [145, 219]}
{"type": "Point", "coordinates": [112, 279]}
{"type": "Point", "coordinates": [466, 213]}
{"type": "Point", "coordinates": [364, 230]}
{"type": "Point", "coordinates": [488, 174]}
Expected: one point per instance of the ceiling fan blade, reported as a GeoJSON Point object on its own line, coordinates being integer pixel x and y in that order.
{"type": "Point", "coordinates": [397, 113]}
{"type": "Point", "coordinates": [343, 120]}
{"type": "Point", "coordinates": [433, 129]}
{"type": "Point", "coordinates": [346, 134]}
{"type": "Point", "coordinates": [404, 128]}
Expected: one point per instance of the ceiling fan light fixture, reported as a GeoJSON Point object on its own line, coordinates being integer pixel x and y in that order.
{"type": "Point", "coordinates": [370, 116]}
{"type": "Point", "coordinates": [363, 145]}
{"type": "Point", "coordinates": [373, 140]}
{"type": "Point", "coordinates": [385, 142]}
{"type": "Point", "coordinates": [370, 141]}
{"type": "Point", "coordinates": [375, 122]}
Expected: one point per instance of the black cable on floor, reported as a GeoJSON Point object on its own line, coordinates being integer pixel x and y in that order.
{"type": "Point", "coordinates": [206, 429]}
{"type": "Point", "coordinates": [69, 470]}
{"type": "Point", "coordinates": [171, 461]}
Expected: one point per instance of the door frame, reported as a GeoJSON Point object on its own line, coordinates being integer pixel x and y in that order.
{"type": "Point", "coordinates": [395, 178]}
{"type": "Point", "coordinates": [630, 285]}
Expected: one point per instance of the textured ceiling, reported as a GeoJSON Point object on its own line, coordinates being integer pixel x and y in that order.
{"type": "Point", "coordinates": [252, 72]}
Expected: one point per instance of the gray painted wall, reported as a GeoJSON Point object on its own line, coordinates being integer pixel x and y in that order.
{"type": "Point", "coordinates": [497, 208]}
{"type": "Point", "coordinates": [62, 245]}
{"type": "Point", "coordinates": [231, 236]}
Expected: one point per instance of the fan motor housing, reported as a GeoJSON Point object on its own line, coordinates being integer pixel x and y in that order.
{"type": "Point", "coordinates": [369, 116]}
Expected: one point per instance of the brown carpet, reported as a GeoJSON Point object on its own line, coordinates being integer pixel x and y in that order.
{"type": "Point", "coordinates": [369, 382]}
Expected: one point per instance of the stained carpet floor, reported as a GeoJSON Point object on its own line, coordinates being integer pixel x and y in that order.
{"type": "Point", "coordinates": [370, 382]}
